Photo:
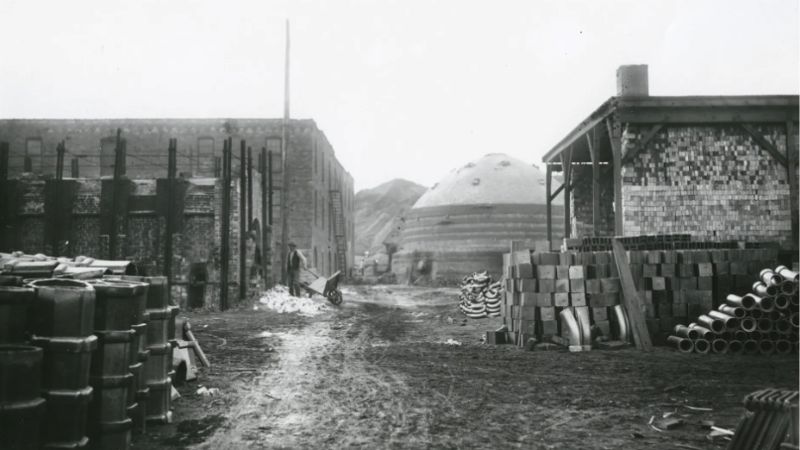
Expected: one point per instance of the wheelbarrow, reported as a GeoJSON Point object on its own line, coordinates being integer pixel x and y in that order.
{"type": "Point", "coordinates": [326, 287]}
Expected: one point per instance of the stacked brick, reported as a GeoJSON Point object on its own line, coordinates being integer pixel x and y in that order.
{"type": "Point", "coordinates": [677, 284]}
{"type": "Point", "coordinates": [714, 182]}
{"type": "Point", "coordinates": [539, 285]}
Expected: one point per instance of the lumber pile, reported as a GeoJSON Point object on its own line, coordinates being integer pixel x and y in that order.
{"type": "Point", "coordinates": [764, 320]}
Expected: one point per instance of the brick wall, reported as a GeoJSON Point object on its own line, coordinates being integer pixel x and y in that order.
{"type": "Point", "coordinates": [713, 182]}
{"type": "Point", "coordinates": [581, 205]}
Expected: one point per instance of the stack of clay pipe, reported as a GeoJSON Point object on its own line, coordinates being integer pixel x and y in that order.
{"type": "Point", "coordinates": [763, 321]}
{"type": "Point", "coordinates": [480, 296]}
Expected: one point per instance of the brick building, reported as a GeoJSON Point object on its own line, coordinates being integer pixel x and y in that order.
{"type": "Point", "coordinates": [75, 216]}
{"type": "Point", "coordinates": [717, 168]}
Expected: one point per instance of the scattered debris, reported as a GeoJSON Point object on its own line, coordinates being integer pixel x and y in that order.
{"type": "Point", "coordinates": [670, 423]}
{"type": "Point", "coordinates": [206, 392]}
{"type": "Point", "coordinates": [451, 342]}
{"type": "Point", "coordinates": [264, 334]}
{"type": "Point", "coordinates": [721, 431]}
{"type": "Point", "coordinates": [674, 387]}
{"type": "Point", "coordinates": [279, 300]}
{"type": "Point", "coordinates": [697, 408]}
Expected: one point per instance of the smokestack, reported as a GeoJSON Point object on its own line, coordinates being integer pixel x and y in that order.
{"type": "Point", "coordinates": [632, 81]}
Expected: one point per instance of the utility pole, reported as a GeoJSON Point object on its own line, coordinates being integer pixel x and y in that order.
{"type": "Point", "coordinates": [243, 221]}
{"type": "Point", "coordinates": [225, 235]}
{"type": "Point", "coordinates": [284, 154]}
{"type": "Point", "coordinates": [172, 168]}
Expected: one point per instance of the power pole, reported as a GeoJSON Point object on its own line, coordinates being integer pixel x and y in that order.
{"type": "Point", "coordinates": [284, 152]}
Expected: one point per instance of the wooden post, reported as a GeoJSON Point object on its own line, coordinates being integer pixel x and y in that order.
{"type": "Point", "coordinates": [594, 154]}
{"type": "Point", "coordinates": [249, 186]}
{"type": "Point", "coordinates": [791, 167]}
{"type": "Point", "coordinates": [264, 225]}
{"type": "Point", "coordinates": [615, 139]}
{"type": "Point", "coordinates": [225, 225]}
{"type": "Point", "coordinates": [243, 214]}
{"type": "Point", "coordinates": [566, 166]}
{"type": "Point", "coordinates": [3, 161]}
{"type": "Point", "coordinates": [60, 148]}
{"type": "Point", "coordinates": [112, 237]}
{"type": "Point", "coordinates": [172, 169]}
{"type": "Point", "coordinates": [549, 185]}
{"type": "Point", "coordinates": [75, 168]}
{"type": "Point", "coordinates": [270, 241]}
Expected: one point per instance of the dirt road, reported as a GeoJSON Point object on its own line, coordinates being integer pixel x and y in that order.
{"type": "Point", "coordinates": [377, 373]}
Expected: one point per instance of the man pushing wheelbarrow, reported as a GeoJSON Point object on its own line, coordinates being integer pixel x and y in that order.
{"type": "Point", "coordinates": [326, 287]}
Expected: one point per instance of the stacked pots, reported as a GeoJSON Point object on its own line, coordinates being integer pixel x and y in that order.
{"type": "Point", "coordinates": [21, 407]}
{"type": "Point", "coordinates": [62, 325]}
{"type": "Point", "coordinates": [159, 365]}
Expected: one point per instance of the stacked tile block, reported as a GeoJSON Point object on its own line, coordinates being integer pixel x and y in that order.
{"type": "Point", "coordinates": [675, 285]}
{"type": "Point", "coordinates": [539, 285]}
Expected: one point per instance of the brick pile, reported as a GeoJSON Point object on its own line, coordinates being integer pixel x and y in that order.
{"type": "Point", "coordinates": [677, 284]}
{"type": "Point", "coordinates": [539, 285]}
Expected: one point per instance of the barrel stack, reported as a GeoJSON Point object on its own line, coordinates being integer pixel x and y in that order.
{"type": "Point", "coordinates": [62, 324]}
{"type": "Point", "coordinates": [21, 404]}
{"type": "Point", "coordinates": [118, 310]}
{"type": "Point", "coordinates": [158, 366]}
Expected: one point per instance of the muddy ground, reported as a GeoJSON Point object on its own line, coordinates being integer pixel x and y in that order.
{"type": "Point", "coordinates": [376, 373]}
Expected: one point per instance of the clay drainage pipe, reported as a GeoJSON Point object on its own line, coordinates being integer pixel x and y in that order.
{"type": "Point", "coordinates": [766, 347]}
{"type": "Point", "coordinates": [795, 320]}
{"type": "Point", "coordinates": [789, 287]}
{"type": "Point", "coordinates": [702, 346]}
{"type": "Point", "coordinates": [756, 314]}
{"type": "Point", "coordinates": [748, 324]}
{"type": "Point", "coordinates": [783, 326]}
{"type": "Point", "coordinates": [719, 346]}
{"type": "Point", "coordinates": [794, 300]}
{"type": "Point", "coordinates": [705, 333]}
{"type": "Point", "coordinates": [765, 304]}
{"type": "Point", "coordinates": [770, 278]}
{"type": "Point", "coordinates": [782, 301]}
{"type": "Point", "coordinates": [788, 274]}
{"type": "Point", "coordinates": [686, 332]}
{"type": "Point", "coordinates": [783, 346]}
{"type": "Point", "coordinates": [735, 346]}
{"type": "Point", "coordinates": [762, 290]}
{"type": "Point", "coordinates": [750, 346]}
{"type": "Point", "coordinates": [747, 301]}
{"type": "Point", "coordinates": [732, 311]}
{"type": "Point", "coordinates": [741, 335]}
{"type": "Point", "coordinates": [764, 325]}
{"type": "Point", "coordinates": [731, 323]}
{"type": "Point", "coordinates": [715, 325]}
{"type": "Point", "coordinates": [682, 344]}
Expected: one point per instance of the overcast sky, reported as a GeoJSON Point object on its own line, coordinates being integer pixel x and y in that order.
{"type": "Point", "coordinates": [403, 89]}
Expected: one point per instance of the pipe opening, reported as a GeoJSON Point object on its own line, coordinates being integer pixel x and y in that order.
{"type": "Point", "coordinates": [783, 346]}
{"type": "Point", "coordinates": [750, 346]}
{"type": "Point", "coordinates": [781, 302]}
{"type": "Point", "coordinates": [795, 320]}
{"type": "Point", "coordinates": [764, 325]}
{"type": "Point", "coordinates": [766, 347]}
{"type": "Point", "coordinates": [756, 314]}
{"type": "Point", "coordinates": [748, 302]}
{"type": "Point", "coordinates": [735, 347]}
{"type": "Point", "coordinates": [719, 346]}
{"type": "Point", "coordinates": [740, 335]}
{"type": "Point", "coordinates": [783, 326]}
{"type": "Point", "coordinates": [789, 287]}
{"type": "Point", "coordinates": [748, 324]}
{"type": "Point", "coordinates": [702, 346]}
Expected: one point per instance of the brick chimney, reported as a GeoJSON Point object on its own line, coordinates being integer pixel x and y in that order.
{"type": "Point", "coordinates": [632, 81]}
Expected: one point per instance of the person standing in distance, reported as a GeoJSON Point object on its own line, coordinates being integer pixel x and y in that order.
{"type": "Point", "coordinates": [294, 263]}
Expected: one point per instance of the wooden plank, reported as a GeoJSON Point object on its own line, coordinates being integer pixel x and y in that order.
{"type": "Point", "coordinates": [593, 153]}
{"type": "Point", "coordinates": [615, 140]}
{"type": "Point", "coordinates": [566, 164]}
{"type": "Point", "coordinates": [696, 115]}
{"type": "Point", "coordinates": [642, 144]}
{"type": "Point", "coordinates": [791, 167]}
{"type": "Point", "coordinates": [557, 191]}
{"type": "Point", "coordinates": [630, 298]}
{"type": "Point", "coordinates": [764, 144]}
{"type": "Point", "coordinates": [548, 182]}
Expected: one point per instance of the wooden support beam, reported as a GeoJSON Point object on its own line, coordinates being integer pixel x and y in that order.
{"type": "Point", "coordinates": [615, 139]}
{"type": "Point", "coordinates": [642, 144]}
{"type": "Point", "coordinates": [75, 172]}
{"type": "Point", "coordinates": [633, 304]}
{"type": "Point", "coordinates": [112, 234]}
{"type": "Point", "coordinates": [3, 161]}
{"type": "Point", "coordinates": [265, 241]}
{"type": "Point", "coordinates": [225, 218]}
{"type": "Point", "coordinates": [172, 172]}
{"type": "Point", "coordinates": [249, 186]}
{"type": "Point", "coordinates": [710, 115]}
{"type": "Point", "coordinates": [791, 168]}
{"type": "Point", "coordinates": [764, 144]}
{"type": "Point", "coordinates": [557, 191]}
{"type": "Point", "coordinates": [566, 164]}
{"type": "Point", "coordinates": [594, 155]}
{"type": "Point", "coordinates": [548, 186]}
{"type": "Point", "coordinates": [243, 214]}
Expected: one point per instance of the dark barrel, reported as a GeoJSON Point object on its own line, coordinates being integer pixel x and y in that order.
{"type": "Point", "coordinates": [63, 308]}
{"type": "Point", "coordinates": [15, 308]}
{"type": "Point", "coordinates": [120, 303]}
{"type": "Point", "coordinates": [21, 406]}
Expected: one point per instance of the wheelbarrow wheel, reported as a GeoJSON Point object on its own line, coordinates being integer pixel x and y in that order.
{"type": "Point", "coordinates": [335, 297]}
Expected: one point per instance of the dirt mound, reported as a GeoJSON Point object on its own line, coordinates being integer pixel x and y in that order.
{"type": "Point", "coordinates": [378, 212]}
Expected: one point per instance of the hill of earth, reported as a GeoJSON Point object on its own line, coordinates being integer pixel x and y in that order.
{"type": "Point", "coordinates": [378, 213]}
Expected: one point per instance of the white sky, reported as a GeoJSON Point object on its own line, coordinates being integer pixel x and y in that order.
{"type": "Point", "coordinates": [403, 89]}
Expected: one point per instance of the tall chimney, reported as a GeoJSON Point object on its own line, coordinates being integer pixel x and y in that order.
{"type": "Point", "coordinates": [632, 81]}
